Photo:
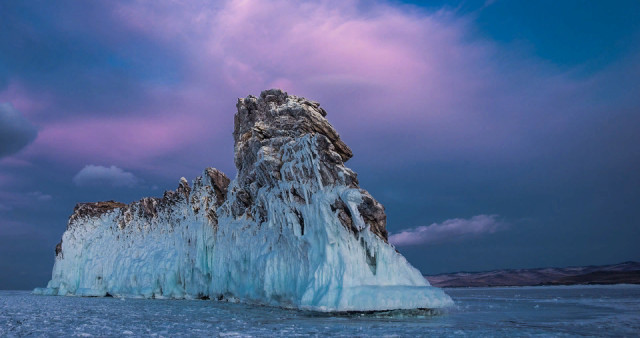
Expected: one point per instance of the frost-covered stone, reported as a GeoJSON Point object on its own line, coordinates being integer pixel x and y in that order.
{"type": "Point", "coordinates": [293, 229]}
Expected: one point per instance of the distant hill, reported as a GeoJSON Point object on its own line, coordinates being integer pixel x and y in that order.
{"type": "Point", "coordinates": [623, 273]}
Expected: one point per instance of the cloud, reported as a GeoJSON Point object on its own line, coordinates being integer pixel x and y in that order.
{"type": "Point", "coordinates": [19, 200]}
{"type": "Point", "coordinates": [448, 230]}
{"type": "Point", "coordinates": [16, 132]}
{"type": "Point", "coordinates": [420, 80]}
{"type": "Point", "coordinates": [38, 195]}
{"type": "Point", "coordinates": [121, 139]}
{"type": "Point", "coordinates": [403, 74]}
{"type": "Point", "coordinates": [96, 175]}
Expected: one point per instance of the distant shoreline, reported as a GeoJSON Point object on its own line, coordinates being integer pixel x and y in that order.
{"type": "Point", "coordinates": [623, 273]}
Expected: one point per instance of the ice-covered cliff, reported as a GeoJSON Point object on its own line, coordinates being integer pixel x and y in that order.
{"type": "Point", "coordinates": [293, 229]}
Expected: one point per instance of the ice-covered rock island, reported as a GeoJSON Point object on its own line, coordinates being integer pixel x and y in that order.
{"type": "Point", "coordinates": [293, 229]}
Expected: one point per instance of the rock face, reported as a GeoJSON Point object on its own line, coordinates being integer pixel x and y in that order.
{"type": "Point", "coordinates": [293, 228]}
{"type": "Point", "coordinates": [270, 131]}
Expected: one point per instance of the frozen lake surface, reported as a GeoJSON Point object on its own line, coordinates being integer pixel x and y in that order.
{"type": "Point", "coordinates": [556, 310]}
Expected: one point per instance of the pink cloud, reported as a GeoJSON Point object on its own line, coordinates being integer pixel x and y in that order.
{"type": "Point", "coordinates": [449, 230]}
{"type": "Point", "coordinates": [421, 74]}
{"type": "Point", "coordinates": [418, 80]}
{"type": "Point", "coordinates": [308, 44]}
{"type": "Point", "coordinates": [129, 140]}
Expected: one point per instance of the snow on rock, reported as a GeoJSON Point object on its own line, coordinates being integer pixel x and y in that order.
{"type": "Point", "coordinates": [294, 229]}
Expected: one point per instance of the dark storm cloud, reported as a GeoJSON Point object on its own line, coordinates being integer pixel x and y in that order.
{"type": "Point", "coordinates": [16, 131]}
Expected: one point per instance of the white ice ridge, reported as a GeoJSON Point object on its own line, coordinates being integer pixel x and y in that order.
{"type": "Point", "coordinates": [276, 235]}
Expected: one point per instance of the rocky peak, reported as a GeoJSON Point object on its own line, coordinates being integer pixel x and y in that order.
{"type": "Point", "coordinates": [94, 209]}
{"type": "Point", "coordinates": [277, 115]}
{"type": "Point", "coordinates": [150, 206]}
{"type": "Point", "coordinates": [220, 183]}
{"type": "Point", "coordinates": [285, 139]}
{"type": "Point", "coordinates": [184, 188]}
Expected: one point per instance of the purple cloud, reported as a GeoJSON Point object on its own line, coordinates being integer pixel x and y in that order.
{"type": "Point", "coordinates": [420, 81]}
{"type": "Point", "coordinates": [17, 200]}
{"type": "Point", "coordinates": [415, 76]}
{"type": "Point", "coordinates": [96, 175]}
{"type": "Point", "coordinates": [449, 230]}
{"type": "Point", "coordinates": [40, 196]}
{"type": "Point", "coordinates": [124, 140]}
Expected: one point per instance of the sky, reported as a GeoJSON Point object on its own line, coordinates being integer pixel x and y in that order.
{"type": "Point", "coordinates": [497, 134]}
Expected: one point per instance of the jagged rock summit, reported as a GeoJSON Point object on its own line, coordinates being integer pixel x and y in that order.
{"type": "Point", "coordinates": [293, 229]}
